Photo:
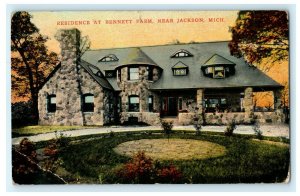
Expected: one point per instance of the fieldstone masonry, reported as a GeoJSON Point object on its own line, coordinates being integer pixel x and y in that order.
{"type": "Point", "coordinates": [140, 88]}
{"type": "Point", "coordinates": [69, 83]}
{"type": "Point", "coordinates": [248, 104]}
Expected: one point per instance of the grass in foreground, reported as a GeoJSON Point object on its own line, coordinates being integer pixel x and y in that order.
{"type": "Point", "coordinates": [38, 129]}
{"type": "Point", "coordinates": [245, 161]}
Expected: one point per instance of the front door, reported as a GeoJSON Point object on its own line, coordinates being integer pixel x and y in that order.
{"type": "Point", "coordinates": [172, 106]}
{"type": "Point", "coordinates": [169, 106]}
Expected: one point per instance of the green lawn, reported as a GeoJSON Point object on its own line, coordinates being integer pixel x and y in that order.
{"type": "Point", "coordinates": [246, 160]}
{"type": "Point", "coordinates": [37, 129]}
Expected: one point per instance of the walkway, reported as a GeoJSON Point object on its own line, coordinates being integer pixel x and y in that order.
{"type": "Point", "coordinates": [281, 130]}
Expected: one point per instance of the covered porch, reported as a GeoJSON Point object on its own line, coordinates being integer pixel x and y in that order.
{"type": "Point", "coordinates": [219, 106]}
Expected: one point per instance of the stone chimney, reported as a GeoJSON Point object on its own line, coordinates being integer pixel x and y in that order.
{"type": "Point", "coordinates": [68, 97]}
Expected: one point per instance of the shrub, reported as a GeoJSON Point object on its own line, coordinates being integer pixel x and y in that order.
{"type": "Point", "coordinates": [54, 147]}
{"type": "Point", "coordinates": [24, 162]}
{"type": "Point", "coordinates": [51, 149]}
{"type": "Point", "coordinates": [231, 126]}
{"type": "Point", "coordinates": [197, 124]}
{"type": "Point", "coordinates": [167, 125]}
{"type": "Point", "coordinates": [139, 170]}
{"type": "Point", "coordinates": [28, 148]}
{"type": "Point", "coordinates": [169, 174]}
{"type": "Point", "coordinates": [111, 134]}
{"type": "Point", "coordinates": [258, 133]}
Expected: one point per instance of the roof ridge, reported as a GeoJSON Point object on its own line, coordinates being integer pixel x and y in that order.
{"type": "Point", "coordinates": [206, 42]}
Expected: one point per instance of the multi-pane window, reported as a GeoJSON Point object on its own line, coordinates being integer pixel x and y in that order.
{"type": "Point", "coordinates": [134, 103]}
{"type": "Point", "coordinates": [180, 103]}
{"type": "Point", "coordinates": [150, 103]}
{"type": "Point", "coordinates": [180, 71]}
{"type": "Point", "coordinates": [182, 53]}
{"type": "Point", "coordinates": [109, 58]}
{"type": "Point", "coordinates": [88, 103]}
{"type": "Point", "coordinates": [110, 73]}
{"type": "Point", "coordinates": [119, 108]}
{"type": "Point", "coordinates": [150, 73]}
{"type": "Point", "coordinates": [219, 72]}
{"type": "Point", "coordinates": [51, 103]}
{"type": "Point", "coordinates": [215, 103]}
{"type": "Point", "coordinates": [133, 73]}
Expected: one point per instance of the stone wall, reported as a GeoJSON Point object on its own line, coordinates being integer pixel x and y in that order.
{"type": "Point", "coordinates": [140, 88]}
{"type": "Point", "coordinates": [68, 103]}
{"type": "Point", "coordinates": [186, 118]}
{"type": "Point", "coordinates": [151, 118]}
{"type": "Point", "coordinates": [69, 84]}
{"type": "Point", "coordinates": [270, 117]}
{"type": "Point", "coordinates": [225, 118]}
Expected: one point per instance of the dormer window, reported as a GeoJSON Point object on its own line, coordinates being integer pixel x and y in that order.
{"type": "Point", "coordinates": [180, 69]}
{"type": "Point", "coordinates": [219, 72]}
{"type": "Point", "coordinates": [109, 58]}
{"type": "Point", "coordinates": [218, 67]}
{"type": "Point", "coordinates": [110, 73]}
{"type": "Point", "coordinates": [180, 72]}
{"type": "Point", "coordinates": [181, 53]}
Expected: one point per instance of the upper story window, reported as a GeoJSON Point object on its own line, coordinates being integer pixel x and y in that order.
{"type": "Point", "coordinates": [88, 103]}
{"type": "Point", "coordinates": [134, 103]}
{"type": "Point", "coordinates": [218, 67]}
{"type": "Point", "coordinates": [180, 72]}
{"type": "Point", "coordinates": [150, 73]}
{"type": "Point", "coordinates": [110, 73]}
{"type": "Point", "coordinates": [180, 69]}
{"type": "Point", "coordinates": [219, 72]}
{"type": "Point", "coordinates": [109, 58]}
{"type": "Point", "coordinates": [133, 73]}
{"type": "Point", "coordinates": [181, 53]}
{"type": "Point", "coordinates": [150, 103]}
{"type": "Point", "coordinates": [51, 103]}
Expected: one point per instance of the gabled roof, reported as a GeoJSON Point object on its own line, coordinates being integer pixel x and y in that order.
{"type": "Point", "coordinates": [137, 56]}
{"type": "Point", "coordinates": [204, 53]}
{"type": "Point", "coordinates": [217, 60]}
{"type": "Point", "coordinates": [93, 71]}
{"type": "Point", "coordinates": [179, 65]}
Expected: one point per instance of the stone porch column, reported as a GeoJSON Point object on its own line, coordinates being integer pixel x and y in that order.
{"type": "Point", "coordinates": [248, 104]}
{"type": "Point", "coordinates": [278, 108]}
{"type": "Point", "coordinates": [199, 111]}
{"type": "Point", "coordinates": [277, 99]}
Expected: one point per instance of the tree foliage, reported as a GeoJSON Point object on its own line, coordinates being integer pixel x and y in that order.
{"type": "Point", "coordinates": [31, 62]}
{"type": "Point", "coordinates": [260, 34]}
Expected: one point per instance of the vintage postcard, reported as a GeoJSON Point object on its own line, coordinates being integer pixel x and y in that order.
{"type": "Point", "coordinates": [150, 97]}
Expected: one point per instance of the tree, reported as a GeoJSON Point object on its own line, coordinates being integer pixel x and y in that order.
{"type": "Point", "coordinates": [31, 60]}
{"type": "Point", "coordinates": [262, 38]}
{"type": "Point", "coordinates": [260, 34]}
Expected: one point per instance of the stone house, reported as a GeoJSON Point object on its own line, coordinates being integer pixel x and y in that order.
{"type": "Point", "coordinates": [145, 84]}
